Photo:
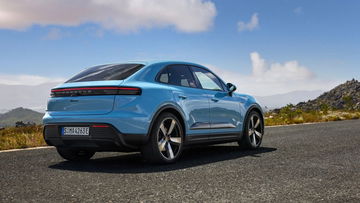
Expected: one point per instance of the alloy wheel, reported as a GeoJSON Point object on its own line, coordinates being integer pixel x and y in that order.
{"type": "Point", "coordinates": [255, 130]}
{"type": "Point", "coordinates": [169, 138]}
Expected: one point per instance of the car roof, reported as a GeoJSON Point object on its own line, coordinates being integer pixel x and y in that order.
{"type": "Point", "coordinates": [163, 62]}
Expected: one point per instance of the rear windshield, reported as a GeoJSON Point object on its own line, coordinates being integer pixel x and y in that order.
{"type": "Point", "coordinates": [106, 72]}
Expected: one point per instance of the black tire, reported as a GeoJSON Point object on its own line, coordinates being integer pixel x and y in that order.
{"type": "Point", "coordinates": [75, 154]}
{"type": "Point", "coordinates": [253, 131]}
{"type": "Point", "coordinates": [164, 147]}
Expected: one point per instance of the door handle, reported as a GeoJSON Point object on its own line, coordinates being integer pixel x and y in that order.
{"type": "Point", "coordinates": [214, 100]}
{"type": "Point", "coordinates": [182, 97]}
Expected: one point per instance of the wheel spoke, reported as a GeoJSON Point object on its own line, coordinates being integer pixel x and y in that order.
{"type": "Point", "coordinates": [252, 121]}
{"type": "Point", "coordinates": [254, 139]}
{"type": "Point", "coordinates": [163, 130]}
{"type": "Point", "coordinates": [172, 125]}
{"type": "Point", "coordinates": [257, 123]}
{"type": "Point", "coordinates": [251, 132]}
{"type": "Point", "coordinates": [161, 145]}
{"type": "Point", "coordinates": [175, 140]}
{"type": "Point", "coordinates": [258, 134]}
{"type": "Point", "coordinates": [170, 151]}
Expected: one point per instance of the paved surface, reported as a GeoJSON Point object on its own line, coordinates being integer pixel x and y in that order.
{"type": "Point", "coordinates": [306, 163]}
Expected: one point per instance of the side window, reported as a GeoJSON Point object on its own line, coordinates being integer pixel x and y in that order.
{"type": "Point", "coordinates": [164, 76]}
{"type": "Point", "coordinates": [207, 80]}
{"type": "Point", "coordinates": [179, 75]}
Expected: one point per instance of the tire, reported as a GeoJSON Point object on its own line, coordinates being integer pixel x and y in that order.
{"type": "Point", "coordinates": [75, 154]}
{"type": "Point", "coordinates": [253, 131]}
{"type": "Point", "coordinates": [166, 140]}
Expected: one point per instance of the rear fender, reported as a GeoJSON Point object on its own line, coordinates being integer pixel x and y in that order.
{"type": "Point", "coordinates": [165, 107]}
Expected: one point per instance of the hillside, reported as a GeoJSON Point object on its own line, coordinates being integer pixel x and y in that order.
{"type": "Point", "coordinates": [340, 103]}
{"type": "Point", "coordinates": [343, 97]}
{"type": "Point", "coordinates": [20, 114]}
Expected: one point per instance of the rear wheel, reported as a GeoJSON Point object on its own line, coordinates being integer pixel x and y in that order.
{"type": "Point", "coordinates": [166, 140]}
{"type": "Point", "coordinates": [253, 131]}
{"type": "Point", "coordinates": [75, 154]}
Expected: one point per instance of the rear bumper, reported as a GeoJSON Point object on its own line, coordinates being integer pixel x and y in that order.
{"type": "Point", "coordinates": [126, 122]}
{"type": "Point", "coordinates": [104, 138]}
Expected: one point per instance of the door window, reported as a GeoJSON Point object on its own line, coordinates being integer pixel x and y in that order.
{"type": "Point", "coordinates": [207, 80]}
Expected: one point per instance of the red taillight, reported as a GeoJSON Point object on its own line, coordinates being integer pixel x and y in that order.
{"type": "Point", "coordinates": [100, 126]}
{"type": "Point", "coordinates": [92, 91]}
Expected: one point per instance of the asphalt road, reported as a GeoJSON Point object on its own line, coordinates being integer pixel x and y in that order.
{"type": "Point", "coordinates": [306, 163]}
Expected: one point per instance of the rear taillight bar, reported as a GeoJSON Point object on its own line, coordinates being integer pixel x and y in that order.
{"type": "Point", "coordinates": [92, 91]}
{"type": "Point", "coordinates": [100, 126]}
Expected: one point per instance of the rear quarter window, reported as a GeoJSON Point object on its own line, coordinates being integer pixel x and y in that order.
{"type": "Point", "coordinates": [179, 75]}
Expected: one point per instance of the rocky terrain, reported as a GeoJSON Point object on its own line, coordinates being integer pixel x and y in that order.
{"type": "Point", "coordinates": [343, 97]}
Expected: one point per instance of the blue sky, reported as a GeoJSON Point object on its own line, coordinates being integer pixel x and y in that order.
{"type": "Point", "coordinates": [322, 37]}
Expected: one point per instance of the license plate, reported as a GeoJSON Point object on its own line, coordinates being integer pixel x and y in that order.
{"type": "Point", "coordinates": [77, 131]}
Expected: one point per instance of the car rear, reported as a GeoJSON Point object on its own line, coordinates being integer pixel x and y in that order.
{"type": "Point", "coordinates": [80, 113]}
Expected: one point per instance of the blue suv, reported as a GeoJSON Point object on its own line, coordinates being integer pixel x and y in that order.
{"type": "Point", "coordinates": [157, 108]}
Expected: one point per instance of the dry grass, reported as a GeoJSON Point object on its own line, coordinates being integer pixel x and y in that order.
{"type": "Point", "coordinates": [21, 137]}
{"type": "Point", "coordinates": [298, 117]}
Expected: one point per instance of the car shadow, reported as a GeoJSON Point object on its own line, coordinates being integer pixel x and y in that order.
{"type": "Point", "coordinates": [133, 163]}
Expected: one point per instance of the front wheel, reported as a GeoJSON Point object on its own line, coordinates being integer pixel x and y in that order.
{"type": "Point", "coordinates": [166, 140]}
{"type": "Point", "coordinates": [75, 154]}
{"type": "Point", "coordinates": [253, 131]}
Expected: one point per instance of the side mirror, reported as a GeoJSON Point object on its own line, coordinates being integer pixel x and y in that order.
{"type": "Point", "coordinates": [231, 88]}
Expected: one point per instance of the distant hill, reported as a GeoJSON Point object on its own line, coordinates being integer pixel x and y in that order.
{"type": "Point", "coordinates": [20, 114]}
{"type": "Point", "coordinates": [344, 96]}
{"type": "Point", "coordinates": [280, 100]}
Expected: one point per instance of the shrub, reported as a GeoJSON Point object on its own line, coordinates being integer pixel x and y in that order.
{"type": "Point", "coordinates": [290, 115]}
{"type": "Point", "coordinates": [348, 100]}
{"type": "Point", "coordinates": [324, 108]}
{"type": "Point", "coordinates": [333, 118]}
{"type": "Point", "coordinates": [21, 137]}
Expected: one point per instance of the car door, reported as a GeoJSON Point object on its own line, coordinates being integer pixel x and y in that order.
{"type": "Point", "coordinates": [225, 116]}
{"type": "Point", "coordinates": [193, 101]}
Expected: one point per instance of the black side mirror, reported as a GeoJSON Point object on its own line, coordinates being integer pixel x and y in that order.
{"type": "Point", "coordinates": [231, 88]}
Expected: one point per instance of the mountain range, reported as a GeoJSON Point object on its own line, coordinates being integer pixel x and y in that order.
{"type": "Point", "coordinates": [280, 100]}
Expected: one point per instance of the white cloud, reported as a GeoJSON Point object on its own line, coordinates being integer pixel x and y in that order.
{"type": "Point", "coordinates": [31, 80]}
{"type": "Point", "coordinates": [274, 78]}
{"type": "Point", "coordinates": [120, 15]}
{"type": "Point", "coordinates": [290, 70]}
{"type": "Point", "coordinates": [249, 26]}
